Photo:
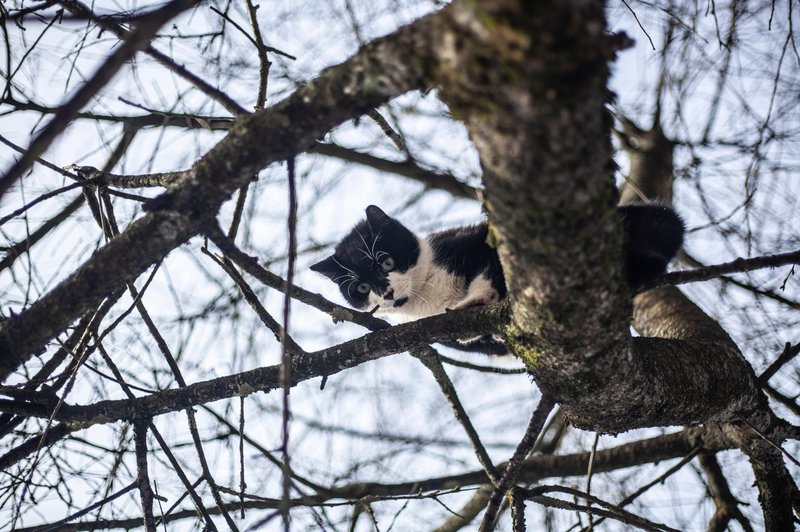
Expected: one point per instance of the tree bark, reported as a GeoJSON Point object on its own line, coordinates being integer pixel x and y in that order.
{"type": "Point", "coordinates": [539, 121]}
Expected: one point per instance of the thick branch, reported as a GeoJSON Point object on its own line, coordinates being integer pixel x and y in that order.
{"type": "Point", "coordinates": [775, 485]}
{"type": "Point", "coordinates": [378, 344]}
{"type": "Point", "coordinates": [552, 201]}
{"type": "Point", "coordinates": [552, 209]}
{"type": "Point", "coordinates": [370, 78]}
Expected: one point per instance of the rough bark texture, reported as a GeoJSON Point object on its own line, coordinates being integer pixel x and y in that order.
{"type": "Point", "coordinates": [541, 128]}
{"type": "Point", "coordinates": [539, 121]}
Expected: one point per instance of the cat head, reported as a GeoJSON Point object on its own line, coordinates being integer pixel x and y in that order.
{"type": "Point", "coordinates": [371, 264]}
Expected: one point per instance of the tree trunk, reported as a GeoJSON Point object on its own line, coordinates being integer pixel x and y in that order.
{"type": "Point", "coordinates": [539, 121]}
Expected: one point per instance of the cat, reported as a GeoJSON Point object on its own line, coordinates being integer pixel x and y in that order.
{"type": "Point", "coordinates": [382, 265]}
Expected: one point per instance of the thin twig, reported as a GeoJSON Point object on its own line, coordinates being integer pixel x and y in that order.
{"type": "Point", "coordinates": [14, 251]}
{"type": "Point", "coordinates": [393, 135]}
{"type": "Point", "coordinates": [241, 199]}
{"type": "Point", "coordinates": [142, 478]}
{"type": "Point", "coordinates": [590, 472]}
{"type": "Point", "coordinates": [538, 418]}
{"type": "Point", "coordinates": [429, 357]}
{"type": "Point", "coordinates": [407, 168]}
{"type": "Point", "coordinates": [263, 60]}
{"type": "Point", "coordinates": [237, 26]}
{"type": "Point", "coordinates": [57, 525]}
{"type": "Point", "coordinates": [640, 24]}
{"type": "Point", "coordinates": [43, 162]}
{"type": "Point", "coordinates": [658, 480]}
{"type": "Point", "coordinates": [786, 356]}
{"type": "Point", "coordinates": [286, 354]}
{"type": "Point", "coordinates": [133, 42]}
{"type": "Point", "coordinates": [226, 101]}
{"type": "Point", "coordinates": [478, 367]}
{"type": "Point", "coordinates": [607, 510]}
{"type": "Point", "coordinates": [242, 483]}
{"type": "Point", "coordinates": [252, 299]}
{"type": "Point", "coordinates": [736, 266]}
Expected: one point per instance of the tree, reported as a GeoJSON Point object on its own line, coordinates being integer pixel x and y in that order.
{"type": "Point", "coordinates": [131, 333]}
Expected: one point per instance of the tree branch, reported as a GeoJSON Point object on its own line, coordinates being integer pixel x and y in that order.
{"type": "Point", "coordinates": [657, 449]}
{"type": "Point", "coordinates": [408, 168]}
{"type": "Point", "coordinates": [718, 270]}
{"type": "Point", "coordinates": [350, 89]}
{"type": "Point", "coordinates": [326, 362]}
{"type": "Point", "coordinates": [146, 27]}
{"type": "Point", "coordinates": [726, 503]}
{"type": "Point", "coordinates": [514, 466]}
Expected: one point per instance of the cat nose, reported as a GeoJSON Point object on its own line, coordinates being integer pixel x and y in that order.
{"type": "Point", "coordinates": [389, 295]}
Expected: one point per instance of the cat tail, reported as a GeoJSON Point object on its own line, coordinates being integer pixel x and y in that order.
{"type": "Point", "coordinates": [653, 235]}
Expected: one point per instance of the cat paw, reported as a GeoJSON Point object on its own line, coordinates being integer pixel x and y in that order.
{"type": "Point", "coordinates": [467, 303]}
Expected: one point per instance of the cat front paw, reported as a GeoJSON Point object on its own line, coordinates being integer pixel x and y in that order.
{"type": "Point", "coordinates": [470, 302]}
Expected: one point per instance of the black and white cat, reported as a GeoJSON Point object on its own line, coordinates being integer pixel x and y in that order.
{"type": "Point", "coordinates": [382, 264]}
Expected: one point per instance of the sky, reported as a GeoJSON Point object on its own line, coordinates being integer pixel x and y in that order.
{"type": "Point", "coordinates": [394, 395]}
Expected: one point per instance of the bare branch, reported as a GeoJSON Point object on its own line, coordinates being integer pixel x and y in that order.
{"type": "Point", "coordinates": [514, 466]}
{"type": "Point", "coordinates": [735, 266]}
{"type": "Point", "coordinates": [429, 357]}
{"type": "Point", "coordinates": [146, 27]}
{"type": "Point", "coordinates": [407, 169]}
{"type": "Point", "coordinates": [726, 503]}
{"type": "Point", "coordinates": [378, 344]}
{"type": "Point", "coordinates": [143, 478]}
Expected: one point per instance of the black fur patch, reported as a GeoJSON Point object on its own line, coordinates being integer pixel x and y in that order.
{"type": "Point", "coordinates": [652, 234]}
{"type": "Point", "coordinates": [463, 251]}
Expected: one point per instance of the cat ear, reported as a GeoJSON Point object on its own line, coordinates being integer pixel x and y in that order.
{"type": "Point", "coordinates": [328, 267]}
{"type": "Point", "coordinates": [377, 218]}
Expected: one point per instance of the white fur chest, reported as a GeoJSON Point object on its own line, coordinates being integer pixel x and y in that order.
{"type": "Point", "coordinates": [431, 289]}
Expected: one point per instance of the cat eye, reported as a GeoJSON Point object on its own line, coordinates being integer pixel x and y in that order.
{"type": "Point", "coordinates": [363, 288]}
{"type": "Point", "coordinates": [387, 264]}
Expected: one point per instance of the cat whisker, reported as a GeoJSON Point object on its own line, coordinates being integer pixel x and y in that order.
{"type": "Point", "coordinates": [365, 251]}
{"type": "Point", "coordinates": [348, 286]}
{"type": "Point", "coordinates": [367, 255]}
{"type": "Point", "coordinates": [345, 276]}
{"type": "Point", "coordinates": [374, 241]}
{"type": "Point", "coordinates": [344, 267]}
